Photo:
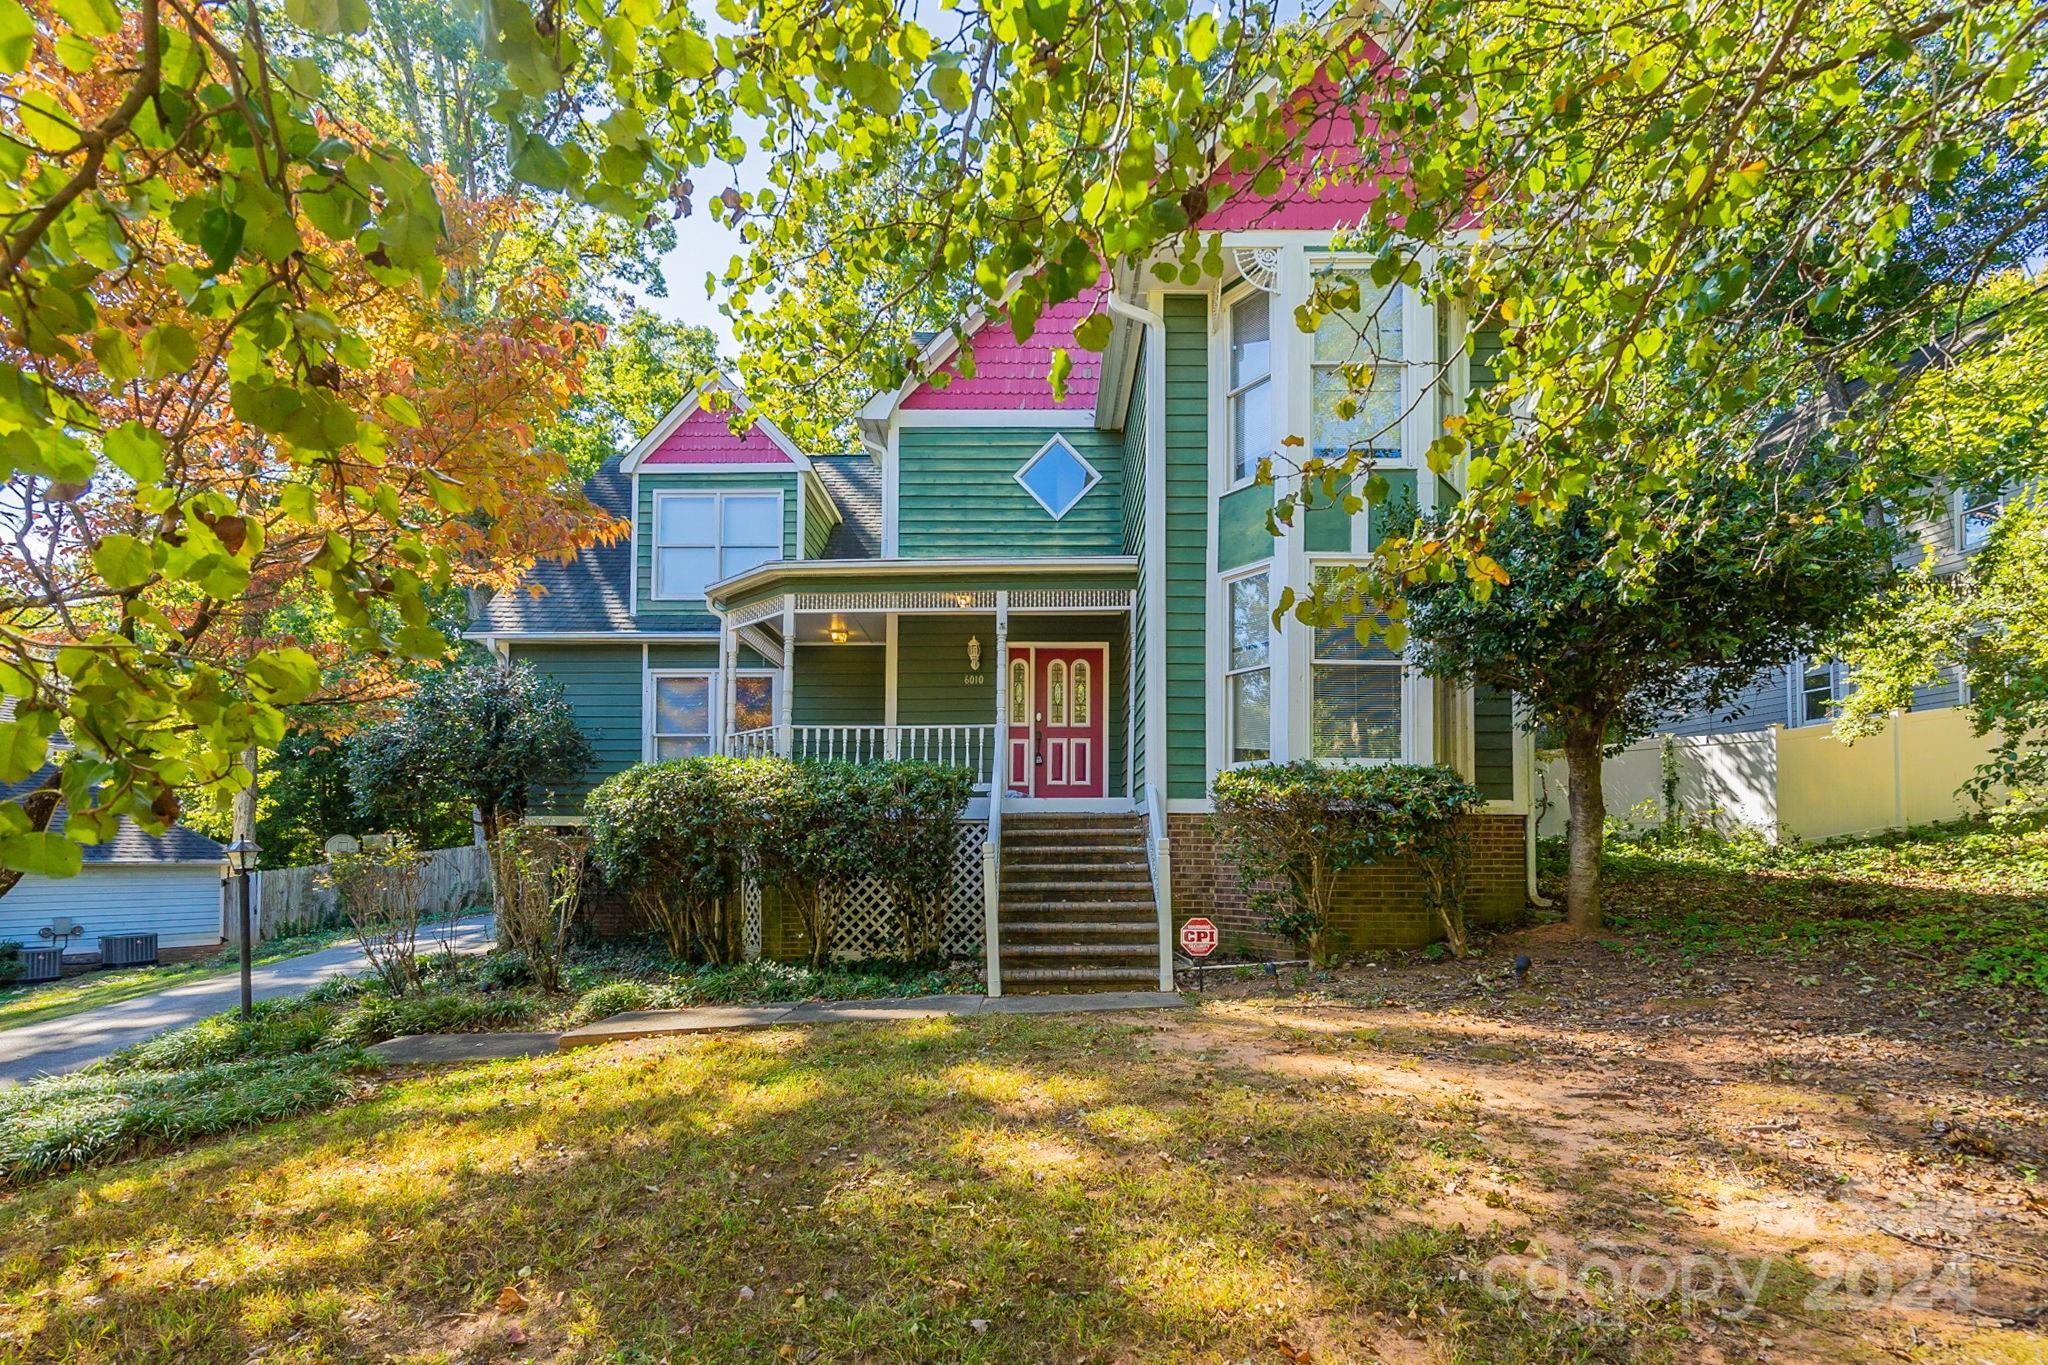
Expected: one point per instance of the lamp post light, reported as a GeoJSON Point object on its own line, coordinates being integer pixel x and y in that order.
{"type": "Point", "coordinates": [241, 858]}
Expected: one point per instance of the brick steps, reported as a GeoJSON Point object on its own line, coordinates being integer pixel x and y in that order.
{"type": "Point", "coordinates": [1077, 911]}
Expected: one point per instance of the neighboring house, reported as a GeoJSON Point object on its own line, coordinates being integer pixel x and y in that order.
{"type": "Point", "coordinates": [1804, 691]}
{"type": "Point", "coordinates": [1070, 597]}
{"type": "Point", "coordinates": [165, 884]}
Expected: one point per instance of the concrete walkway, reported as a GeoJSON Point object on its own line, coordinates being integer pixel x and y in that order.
{"type": "Point", "coordinates": [719, 1018]}
{"type": "Point", "coordinates": [440, 1049]}
{"type": "Point", "coordinates": [59, 1045]}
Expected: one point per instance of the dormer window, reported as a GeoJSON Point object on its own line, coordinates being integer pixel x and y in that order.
{"type": "Point", "coordinates": [1057, 477]}
{"type": "Point", "coordinates": [701, 538]}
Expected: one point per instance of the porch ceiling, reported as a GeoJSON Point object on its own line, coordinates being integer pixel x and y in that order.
{"type": "Point", "coordinates": [926, 584]}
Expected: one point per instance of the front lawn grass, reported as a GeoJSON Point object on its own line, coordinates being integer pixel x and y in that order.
{"type": "Point", "coordinates": [76, 994]}
{"type": "Point", "coordinates": [1966, 902]}
{"type": "Point", "coordinates": [996, 1189]}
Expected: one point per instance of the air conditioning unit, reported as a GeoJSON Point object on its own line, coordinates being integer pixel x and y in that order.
{"type": "Point", "coordinates": [127, 950]}
{"type": "Point", "coordinates": [41, 964]}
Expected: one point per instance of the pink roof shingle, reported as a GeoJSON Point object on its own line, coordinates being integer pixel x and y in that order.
{"type": "Point", "coordinates": [1330, 146]}
{"type": "Point", "coordinates": [706, 438]}
{"type": "Point", "coordinates": [1011, 376]}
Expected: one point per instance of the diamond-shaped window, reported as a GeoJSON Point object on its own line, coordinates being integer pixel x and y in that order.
{"type": "Point", "coordinates": [1057, 477]}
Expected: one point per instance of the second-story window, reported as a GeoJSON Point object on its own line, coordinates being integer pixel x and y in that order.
{"type": "Point", "coordinates": [1251, 384]}
{"type": "Point", "coordinates": [700, 538]}
{"type": "Point", "coordinates": [1979, 512]}
{"type": "Point", "coordinates": [1357, 371]}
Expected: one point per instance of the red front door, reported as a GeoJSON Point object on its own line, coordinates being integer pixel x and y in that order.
{"type": "Point", "coordinates": [1057, 730]}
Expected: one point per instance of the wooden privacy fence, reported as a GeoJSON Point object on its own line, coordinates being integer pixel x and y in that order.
{"type": "Point", "coordinates": [297, 900]}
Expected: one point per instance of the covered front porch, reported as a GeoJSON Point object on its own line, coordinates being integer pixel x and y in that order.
{"type": "Point", "coordinates": [984, 667]}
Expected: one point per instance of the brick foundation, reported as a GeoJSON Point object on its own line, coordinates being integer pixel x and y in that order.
{"type": "Point", "coordinates": [1376, 907]}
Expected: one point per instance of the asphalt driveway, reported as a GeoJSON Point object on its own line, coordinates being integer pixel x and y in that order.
{"type": "Point", "coordinates": [59, 1045]}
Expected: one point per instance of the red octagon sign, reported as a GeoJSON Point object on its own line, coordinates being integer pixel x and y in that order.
{"type": "Point", "coordinates": [1198, 937]}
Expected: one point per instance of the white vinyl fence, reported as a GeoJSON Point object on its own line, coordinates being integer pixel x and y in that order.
{"type": "Point", "coordinates": [296, 900]}
{"type": "Point", "coordinates": [1800, 783]}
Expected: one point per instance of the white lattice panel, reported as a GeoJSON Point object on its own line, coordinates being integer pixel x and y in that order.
{"type": "Point", "coordinates": [896, 601]}
{"type": "Point", "coordinates": [864, 919]}
{"type": "Point", "coordinates": [750, 921]}
{"type": "Point", "coordinates": [758, 611]}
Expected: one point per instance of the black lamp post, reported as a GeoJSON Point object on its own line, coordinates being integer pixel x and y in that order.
{"type": "Point", "coordinates": [241, 857]}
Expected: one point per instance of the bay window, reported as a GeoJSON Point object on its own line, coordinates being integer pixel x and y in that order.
{"type": "Point", "coordinates": [1248, 685]}
{"type": "Point", "coordinates": [1355, 381]}
{"type": "Point", "coordinates": [1251, 384]}
{"type": "Point", "coordinates": [701, 538]}
{"type": "Point", "coordinates": [1356, 701]}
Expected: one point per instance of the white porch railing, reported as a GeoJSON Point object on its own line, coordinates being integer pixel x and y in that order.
{"type": "Point", "coordinates": [958, 746]}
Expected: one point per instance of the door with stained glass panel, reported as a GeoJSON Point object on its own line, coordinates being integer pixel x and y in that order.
{"type": "Point", "coordinates": [1058, 749]}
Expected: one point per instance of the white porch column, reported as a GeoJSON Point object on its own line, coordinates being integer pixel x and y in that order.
{"type": "Point", "coordinates": [785, 730]}
{"type": "Point", "coordinates": [998, 778]}
{"type": "Point", "coordinates": [728, 685]}
{"type": "Point", "coordinates": [889, 656]}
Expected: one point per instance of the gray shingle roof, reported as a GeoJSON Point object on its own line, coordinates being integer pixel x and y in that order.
{"type": "Point", "coordinates": [131, 843]}
{"type": "Point", "coordinates": [593, 593]}
{"type": "Point", "coordinates": [855, 483]}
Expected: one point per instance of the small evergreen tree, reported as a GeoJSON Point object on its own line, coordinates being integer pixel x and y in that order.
{"type": "Point", "coordinates": [481, 730]}
{"type": "Point", "coordinates": [1760, 574]}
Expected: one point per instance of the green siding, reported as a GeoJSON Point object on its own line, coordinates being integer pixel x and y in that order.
{"type": "Point", "coordinates": [1486, 349]}
{"type": "Point", "coordinates": [1241, 536]}
{"type": "Point", "coordinates": [688, 656]}
{"type": "Point", "coordinates": [1493, 743]}
{"type": "Point", "coordinates": [1396, 513]}
{"type": "Point", "coordinates": [1134, 544]}
{"type": "Point", "coordinates": [1327, 531]}
{"type": "Point", "coordinates": [693, 615]}
{"type": "Point", "coordinates": [839, 685]}
{"type": "Point", "coordinates": [957, 495]}
{"type": "Point", "coordinates": [931, 670]}
{"type": "Point", "coordinates": [1187, 531]}
{"type": "Point", "coordinates": [603, 686]}
{"type": "Point", "coordinates": [819, 516]}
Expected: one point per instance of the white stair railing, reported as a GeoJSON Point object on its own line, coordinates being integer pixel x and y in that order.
{"type": "Point", "coordinates": [1159, 854]}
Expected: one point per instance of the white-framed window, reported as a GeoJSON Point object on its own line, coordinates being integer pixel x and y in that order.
{"type": "Point", "coordinates": [1056, 693]}
{"type": "Point", "coordinates": [1083, 683]}
{"type": "Point", "coordinates": [679, 718]}
{"type": "Point", "coordinates": [1977, 512]}
{"type": "Point", "coordinates": [1020, 692]}
{"type": "Point", "coordinates": [700, 538]}
{"type": "Point", "coordinates": [753, 700]}
{"type": "Point", "coordinates": [1357, 367]}
{"type": "Point", "coordinates": [1250, 401]}
{"type": "Point", "coordinates": [1817, 684]}
{"type": "Point", "coordinates": [1248, 671]}
{"type": "Point", "coordinates": [1357, 696]}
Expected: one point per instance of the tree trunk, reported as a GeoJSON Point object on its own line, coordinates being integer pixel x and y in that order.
{"type": "Point", "coordinates": [1583, 756]}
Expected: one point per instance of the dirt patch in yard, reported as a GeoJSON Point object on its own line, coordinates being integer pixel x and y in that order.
{"type": "Point", "coordinates": [1796, 1160]}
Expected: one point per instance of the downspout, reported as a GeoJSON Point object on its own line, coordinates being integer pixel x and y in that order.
{"type": "Point", "coordinates": [1529, 840]}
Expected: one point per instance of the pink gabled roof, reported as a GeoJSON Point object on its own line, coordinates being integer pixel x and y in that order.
{"type": "Point", "coordinates": [1307, 197]}
{"type": "Point", "coordinates": [705, 437]}
{"type": "Point", "coordinates": [1012, 376]}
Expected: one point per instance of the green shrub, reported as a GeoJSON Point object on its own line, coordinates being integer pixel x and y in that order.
{"type": "Point", "coordinates": [67, 1122]}
{"type": "Point", "coordinates": [909, 845]}
{"type": "Point", "coordinates": [11, 965]}
{"type": "Point", "coordinates": [1291, 829]}
{"type": "Point", "coordinates": [275, 1028]}
{"type": "Point", "coordinates": [614, 997]}
{"type": "Point", "coordinates": [503, 969]}
{"type": "Point", "coordinates": [669, 835]}
{"type": "Point", "coordinates": [377, 1017]}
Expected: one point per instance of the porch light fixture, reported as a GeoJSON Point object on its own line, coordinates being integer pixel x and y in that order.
{"type": "Point", "coordinates": [974, 654]}
{"type": "Point", "coordinates": [1057, 477]}
{"type": "Point", "coordinates": [836, 632]}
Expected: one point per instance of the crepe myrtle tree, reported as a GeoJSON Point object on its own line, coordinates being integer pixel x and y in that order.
{"type": "Point", "coordinates": [482, 730]}
{"type": "Point", "coordinates": [1759, 574]}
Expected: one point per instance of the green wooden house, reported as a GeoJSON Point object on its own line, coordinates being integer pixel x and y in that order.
{"type": "Point", "coordinates": [1070, 597]}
